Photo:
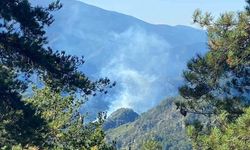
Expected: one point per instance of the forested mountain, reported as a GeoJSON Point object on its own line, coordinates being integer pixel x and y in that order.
{"type": "Point", "coordinates": [120, 117]}
{"type": "Point", "coordinates": [162, 123]}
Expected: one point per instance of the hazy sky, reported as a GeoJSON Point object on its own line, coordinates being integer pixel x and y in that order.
{"type": "Point", "coordinates": [172, 12]}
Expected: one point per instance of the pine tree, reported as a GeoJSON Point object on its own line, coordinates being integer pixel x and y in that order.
{"type": "Point", "coordinates": [217, 84]}
{"type": "Point", "coordinates": [65, 124]}
{"type": "Point", "coordinates": [227, 135]}
{"type": "Point", "coordinates": [220, 79]}
{"type": "Point", "coordinates": [18, 123]}
{"type": "Point", "coordinates": [23, 53]}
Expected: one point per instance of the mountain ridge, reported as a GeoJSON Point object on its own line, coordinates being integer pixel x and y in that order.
{"type": "Point", "coordinates": [145, 60]}
{"type": "Point", "coordinates": [162, 123]}
{"type": "Point", "coordinates": [119, 117]}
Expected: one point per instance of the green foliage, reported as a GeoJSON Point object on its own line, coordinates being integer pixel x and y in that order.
{"type": "Point", "coordinates": [18, 125]}
{"type": "Point", "coordinates": [23, 53]}
{"type": "Point", "coordinates": [219, 81]}
{"type": "Point", "coordinates": [151, 145]}
{"type": "Point", "coordinates": [225, 136]}
{"type": "Point", "coordinates": [217, 84]}
{"type": "Point", "coordinates": [162, 123]}
{"type": "Point", "coordinates": [67, 129]}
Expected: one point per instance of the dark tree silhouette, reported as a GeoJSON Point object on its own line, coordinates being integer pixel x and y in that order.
{"type": "Point", "coordinates": [24, 52]}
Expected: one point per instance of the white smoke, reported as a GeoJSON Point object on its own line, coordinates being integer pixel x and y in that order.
{"type": "Point", "coordinates": [139, 65]}
{"type": "Point", "coordinates": [145, 60]}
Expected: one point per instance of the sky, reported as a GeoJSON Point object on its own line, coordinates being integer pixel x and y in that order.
{"type": "Point", "coordinates": [171, 12]}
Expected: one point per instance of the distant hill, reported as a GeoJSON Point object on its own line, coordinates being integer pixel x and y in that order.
{"type": "Point", "coordinates": [162, 123]}
{"type": "Point", "coordinates": [120, 117]}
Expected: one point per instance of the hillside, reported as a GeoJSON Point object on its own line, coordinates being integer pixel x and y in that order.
{"type": "Point", "coordinates": [162, 123]}
{"type": "Point", "coordinates": [120, 117]}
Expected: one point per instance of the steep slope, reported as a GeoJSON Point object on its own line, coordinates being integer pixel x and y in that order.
{"type": "Point", "coordinates": [146, 60]}
{"type": "Point", "coordinates": [162, 123]}
{"type": "Point", "coordinates": [120, 117]}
